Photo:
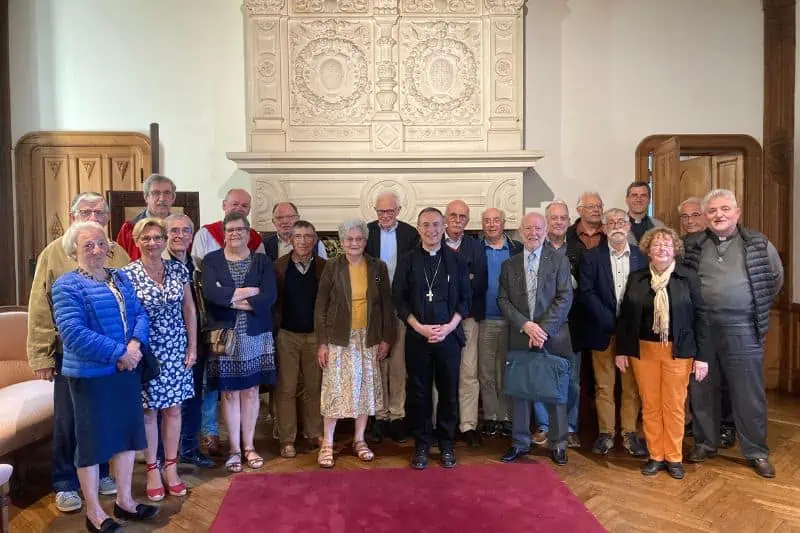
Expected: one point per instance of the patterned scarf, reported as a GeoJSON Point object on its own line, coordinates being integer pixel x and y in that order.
{"type": "Point", "coordinates": [658, 282]}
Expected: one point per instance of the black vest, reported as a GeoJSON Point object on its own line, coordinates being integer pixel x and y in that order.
{"type": "Point", "coordinates": [301, 294]}
{"type": "Point", "coordinates": [759, 272]}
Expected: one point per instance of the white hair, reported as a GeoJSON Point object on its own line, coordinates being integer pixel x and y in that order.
{"type": "Point", "coordinates": [389, 193]}
{"type": "Point", "coordinates": [719, 193]}
{"type": "Point", "coordinates": [613, 211]}
{"type": "Point", "coordinates": [86, 197]}
{"type": "Point", "coordinates": [178, 216]}
{"type": "Point", "coordinates": [588, 193]}
{"type": "Point", "coordinates": [70, 239]}
{"type": "Point", "coordinates": [353, 223]}
{"type": "Point", "coordinates": [691, 200]}
{"type": "Point", "coordinates": [502, 213]}
{"type": "Point", "coordinates": [560, 202]}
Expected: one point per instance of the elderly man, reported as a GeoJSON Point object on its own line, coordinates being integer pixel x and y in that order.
{"type": "Point", "coordinates": [45, 352]}
{"type": "Point", "coordinates": [587, 232]}
{"type": "Point", "coordinates": [389, 238]}
{"type": "Point", "coordinates": [211, 237]}
{"type": "Point", "coordinates": [284, 215]}
{"type": "Point", "coordinates": [535, 296]}
{"type": "Point", "coordinates": [740, 276]}
{"type": "Point", "coordinates": [431, 294]}
{"type": "Point", "coordinates": [159, 195]}
{"type": "Point", "coordinates": [604, 277]}
{"type": "Point", "coordinates": [457, 218]}
{"type": "Point", "coordinates": [493, 330]}
{"type": "Point", "coordinates": [692, 218]}
{"type": "Point", "coordinates": [637, 197]}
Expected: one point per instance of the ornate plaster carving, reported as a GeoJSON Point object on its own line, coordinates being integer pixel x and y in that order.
{"type": "Point", "coordinates": [436, 7]}
{"type": "Point", "coordinates": [504, 6]}
{"type": "Point", "coordinates": [264, 7]}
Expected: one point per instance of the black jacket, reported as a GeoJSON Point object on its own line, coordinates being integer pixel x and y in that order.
{"type": "Point", "coordinates": [407, 239]}
{"type": "Point", "coordinates": [472, 252]}
{"type": "Point", "coordinates": [688, 325]}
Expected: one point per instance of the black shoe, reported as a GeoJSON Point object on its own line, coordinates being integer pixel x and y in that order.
{"type": "Point", "coordinates": [700, 454]}
{"type": "Point", "coordinates": [675, 470]}
{"type": "Point", "coordinates": [198, 459]}
{"type": "Point", "coordinates": [727, 437]}
{"type": "Point", "coordinates": [143, 512]}
{"type": "Point", "coordinates": [512, 454]}
{"type": "Point", "coordinates": [603, 444]}
{"type": "Point", "coordinates": [419, 461]}
{"type": "Point", "coordinates": [687, 430]}
{"type": "Point", "coordinates": [448, 458]}
{"type": "Point", "coordinates": [634, 445]}
{"type": "Point", "coordinates": [434, 440]}
{"type": "Point", "coordinates": [397, 431]}
{"type": "Point", "coordinates": [506, 429]}
{"type": "Point", "coordinates": [108, 526]}
{"type": "Point", "coordinates": [473, 438]}
{"type": "Point", "coordinates": [652, 467]}
{"type": "Point", "coordinates": [489, 428]}
{"type": "Point", "coordinates": [378, 431]}
{"type": "Point", "coordinates": [763, 467]}
{"type": "Point", "coordinates": [559, 456]}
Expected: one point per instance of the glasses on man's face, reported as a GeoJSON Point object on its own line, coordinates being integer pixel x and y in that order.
{"type": "Point", "coordinates": [687, 216]}
{"type": "Point", "coordinates": [152, 238]}
{"type": "Point", "coordinates": [493, 221]}
{"type": "Point", "coordinates": [231, 231]}
{"type": "Point", "coordinates": [616, 223]}
{"type": "Point", "coordinates": [175, 232]}
{"type": "Point", "coordinates": [161, 194]}
{"type": "Point", "coordinates": [303, 237]}
{"type": "Point", "coordinates": [593, 207]}
{"type": "Point", "coordinates": [86, 213]}
{"type": "Point", "coordinates": [385, 212]}
{"type": "Point", "coordinates": [285, 218]}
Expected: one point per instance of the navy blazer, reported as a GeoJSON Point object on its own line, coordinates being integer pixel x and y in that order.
{"type": "Point", "coordinates": [407, 238]}
{"type": "Point", "coordinates": [471, 250]}
{"type": "Point", "coordinates": [218, 289]}
{"type": "Point", "coordinates": [597, 295]}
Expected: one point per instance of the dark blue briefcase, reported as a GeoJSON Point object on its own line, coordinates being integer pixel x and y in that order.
{"type": "Point", "coordinates": [537, 376]}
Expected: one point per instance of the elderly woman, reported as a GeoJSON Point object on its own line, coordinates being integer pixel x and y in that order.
{"type": "Point", "coordinates": [662, 329]}
{"type": "Point", "coordinates": [164, 289]}
{"type": "Point", "coordinates": [355, 326]}
{"type": "Point", "coordinates": [103, 328]}
{"type": "Point", "coordinates": [239, 288]}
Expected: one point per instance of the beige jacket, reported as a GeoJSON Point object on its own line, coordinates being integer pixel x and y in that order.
{"type": "Point", "coordinates": [51, 264]}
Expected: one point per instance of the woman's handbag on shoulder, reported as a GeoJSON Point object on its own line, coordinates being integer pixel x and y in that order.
{"type": "Point", "coordinates": [222, 341]}
{"type": "Point", "coordinates": [537, 376]}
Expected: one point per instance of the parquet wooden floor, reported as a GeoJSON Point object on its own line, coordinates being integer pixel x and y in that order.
{"type": "Point", "coordinates": [721, 495]}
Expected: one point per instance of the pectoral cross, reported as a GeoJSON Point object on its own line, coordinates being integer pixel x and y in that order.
{"type": "Point", "coordinates": [429, 294]}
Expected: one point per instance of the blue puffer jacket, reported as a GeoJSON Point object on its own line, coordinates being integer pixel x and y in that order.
{"type": "Point", "coordinates": [90, 324]}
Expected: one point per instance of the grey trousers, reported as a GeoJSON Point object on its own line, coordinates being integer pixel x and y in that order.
{"type": "Point", "coordinates": [739, 357]}
{"type": "Point", "coordinates": [521, 425]}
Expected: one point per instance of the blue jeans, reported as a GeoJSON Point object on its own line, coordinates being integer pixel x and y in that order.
{"type": "Point", "coordinates": [64, 474]}
{"type": "Point", "coordinates": [208, 408]}
{"type": "Point", "coordinates": [192, 411]}
{"type": "Point", "coordinates": [573, 398]}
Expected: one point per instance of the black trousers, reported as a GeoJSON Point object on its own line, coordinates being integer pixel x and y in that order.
{"type": "Point", "coordinates": [425, 363]}
{"type": "Point", "coordinates": [739, 358]}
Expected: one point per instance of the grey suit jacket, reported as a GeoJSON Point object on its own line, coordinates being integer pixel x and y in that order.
{"type": "Point", "coordinates": [553, 300]}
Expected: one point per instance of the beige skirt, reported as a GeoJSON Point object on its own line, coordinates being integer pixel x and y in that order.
{"type": "Point", "coordinates": [351, 383]}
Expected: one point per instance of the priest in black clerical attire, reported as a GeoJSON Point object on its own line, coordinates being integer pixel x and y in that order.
{"type": "Point", "coordinates": [431, 294]}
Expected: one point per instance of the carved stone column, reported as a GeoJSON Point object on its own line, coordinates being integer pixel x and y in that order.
{"type": "Point", "coordinates": [387, 128]}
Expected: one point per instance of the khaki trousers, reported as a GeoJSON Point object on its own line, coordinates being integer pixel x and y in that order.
{"type": "Point", "coordinates": [468, 386]}
{"type": "Point", "coordinates": [605, 375]}
{"type": "Point", "coordinates": [393, 378]}
{"type": "Point", "coordinates": [297, 356]}
{"type": "Point", "coordinates": [662, 385]}
{"type": "Point", "coordinates": [493, 346]}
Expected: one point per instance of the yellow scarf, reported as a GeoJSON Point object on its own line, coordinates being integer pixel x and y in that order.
{"type": "Point", "coordinates": [658, 282]}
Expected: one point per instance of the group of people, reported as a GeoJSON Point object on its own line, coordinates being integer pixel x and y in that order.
{"type": "Point", "coordinates": [407, 327]}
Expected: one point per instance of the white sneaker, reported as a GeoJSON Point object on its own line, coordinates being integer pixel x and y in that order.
{"type": "Point", "coordinates": [68, 501]}
{"type": "Point", "coordinates": [107, 486]}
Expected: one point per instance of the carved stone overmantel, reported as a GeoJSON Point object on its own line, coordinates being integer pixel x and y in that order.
{"type": "Point", "coordinates": [353, 95]}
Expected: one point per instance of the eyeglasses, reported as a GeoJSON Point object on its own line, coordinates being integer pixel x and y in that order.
{"type": "Point", "coordinates": [617, 223]}
{"type": "Point", "coordinates": [284, 218]}
{"type": "Point", "coordinates": [231, 231]}
{"type": "Point", "coordinates": [156, 194]}
{"type": "Point", "coordinates": [687, 216]}
{"type": "Point", "coordinates": [592, 207]}
{"type": "Point", "coordinates": [86, 213]}
{"type": "Point", "coordinates": [153, 238]}
{"type": "Point", "coordinates": [180, 231]}
{"type": "Point", "coordinates": [662, 245]}
{"type": "Point", "coordinates": [493, 220]}
{"type": "Point", "coordinates": [385, 212]}
{"type": "Point", "coordinates": [304, 237]}
{"type": "Point", "coordinates": [353, 240]}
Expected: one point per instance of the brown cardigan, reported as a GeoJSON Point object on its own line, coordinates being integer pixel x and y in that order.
{"type": "Point", "coordinates": [280, 274]}
{"type": "Point", "coordinates": [332, 314]}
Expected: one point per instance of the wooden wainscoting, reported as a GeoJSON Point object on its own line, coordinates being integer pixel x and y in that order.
{"type": "Point", "coordinates": [788, 370]}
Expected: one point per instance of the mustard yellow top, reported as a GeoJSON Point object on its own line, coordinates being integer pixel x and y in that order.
{"type": "Point", "coordinates": [358, 293]}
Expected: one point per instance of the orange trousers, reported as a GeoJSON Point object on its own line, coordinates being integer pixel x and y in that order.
{"type": "Point", "coordinates": [662, 386]}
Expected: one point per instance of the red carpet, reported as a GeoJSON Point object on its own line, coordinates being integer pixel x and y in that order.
{"type": "Point", "coordinates": [492, 498]}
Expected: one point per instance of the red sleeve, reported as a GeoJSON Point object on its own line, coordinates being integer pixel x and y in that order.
{"type": "Point", "coordinates": [125, 239]}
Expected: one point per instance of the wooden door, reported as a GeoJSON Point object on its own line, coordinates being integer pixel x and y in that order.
{"type": "Point", "coordinates": [53, 167]}
{"type": "Point", "coordinates": [666, 181]}
{"type": "Point", "coordinates": [700, 174]}
{"type": "Point", "coordinates": [695, 177]}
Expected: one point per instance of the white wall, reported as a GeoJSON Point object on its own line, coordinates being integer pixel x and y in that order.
{"type": "Point", "coordinates": [604, 74]}
{"type": "Point", "coordinates": [119, 65]}
{"type": "Point", "coordinates": [601, 76]}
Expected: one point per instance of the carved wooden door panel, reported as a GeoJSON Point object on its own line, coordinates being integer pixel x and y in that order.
{"type": "Point", "coordinates": [667, 181]}
{"type": "Point", "coordinates": [54, 167]}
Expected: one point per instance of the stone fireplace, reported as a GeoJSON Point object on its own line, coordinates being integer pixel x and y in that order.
{"type": "Point", "coordinates": [347, 98]}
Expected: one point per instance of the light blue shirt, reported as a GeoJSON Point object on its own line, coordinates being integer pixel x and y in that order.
{"type": "Point", "coordinates": [389, 249]}
{"type": "Point", "coordinates": [494, 261]}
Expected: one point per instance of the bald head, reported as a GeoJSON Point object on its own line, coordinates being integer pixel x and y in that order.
{"type": "Point", "coordinates": [456, 215]}
{"type": "Point", "coordinates": [237, 201]}
{"type": "Point", "coordinates": [533, 228]}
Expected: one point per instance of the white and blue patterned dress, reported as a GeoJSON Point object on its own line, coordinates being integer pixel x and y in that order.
{"type": "Point", "coordinates": [164, 306]}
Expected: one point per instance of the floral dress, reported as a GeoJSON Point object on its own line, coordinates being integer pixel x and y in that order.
{"type": "Point", "coordinates": [168, 341]}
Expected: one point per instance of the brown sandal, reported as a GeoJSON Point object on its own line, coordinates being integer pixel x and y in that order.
{"type": "Point", "coordinates": [363, 451]}
{"type": "Point", "coordinates": [325, 456]}
{"type": "Point", "coordinates": [234, 463]}
{"type": "Point", "coordinates": [254, 460]}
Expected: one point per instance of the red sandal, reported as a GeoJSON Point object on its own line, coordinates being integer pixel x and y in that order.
{"type": "Point", "coordinates": [179, 489]}
{"type": "Point", "coordinates": [154, 495]}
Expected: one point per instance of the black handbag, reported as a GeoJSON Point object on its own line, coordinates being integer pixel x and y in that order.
{"type": "Point", "coordinates": [537, 376]}
{"type": "Point", "coordinates": [149, 368]}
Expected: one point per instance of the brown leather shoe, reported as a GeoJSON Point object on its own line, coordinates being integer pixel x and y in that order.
{"type": "Point", "coordinates": [763, 467]}
{"type": "Point", "coordinates": [288, 450]}
{"type": "Point", "coordinates": [213, 445]}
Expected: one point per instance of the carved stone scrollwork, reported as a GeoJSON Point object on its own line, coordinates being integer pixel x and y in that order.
{"type": "Point", "coordinates": [504, 6]}
{"type": "Point", "coordinates": [266, 193]}
{"type": "Point", "coordinates": [441, 72]}
{"type": "Point", "coordinates": [506, 194]}
{"type": "Point", "coordinates": [403, 189]}
{"type": "Point", "coordinates": [385, 7]}
{"type": "Point", "coordinates": [434, 6]}
{"type": "Point", "coordinates": [339, 6]}
{"type": "Point", "coordinates": [264, 7]}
